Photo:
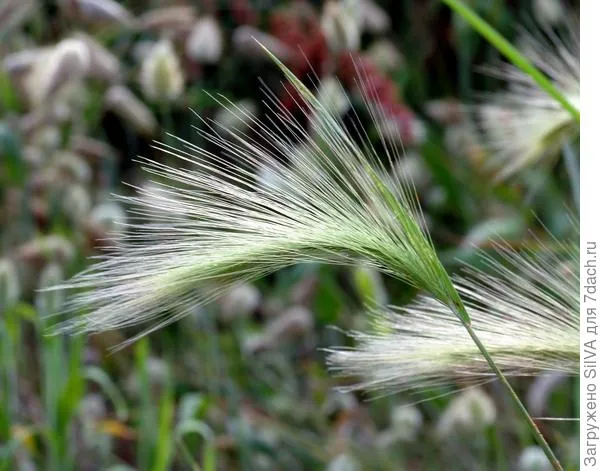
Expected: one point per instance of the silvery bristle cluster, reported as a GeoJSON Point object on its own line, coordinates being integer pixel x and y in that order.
{"type": "Point", "coordinates": [524, 307]}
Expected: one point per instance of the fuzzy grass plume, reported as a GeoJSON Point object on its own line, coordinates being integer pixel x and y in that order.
{"type": "Point", "coordinates": [524, 308]}
{"type": "Point", "coordinates": [524, 124]}
{"type": "Point", "coordinates": [214, 224]}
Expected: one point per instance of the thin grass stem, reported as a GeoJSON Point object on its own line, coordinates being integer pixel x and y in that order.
{"type": "Point", "coordinates": [511, 53]}
{"type": "Point", "coordinates": [520, 407]}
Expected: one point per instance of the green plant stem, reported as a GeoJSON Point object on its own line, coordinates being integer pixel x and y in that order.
{"type": "Point", "coordinates": [511, 53]}
{"type": "Point", "coordinates": [520, 407]}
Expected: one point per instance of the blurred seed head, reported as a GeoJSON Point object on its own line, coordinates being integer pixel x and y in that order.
{"type": "Point", "coordinates": [333, 97]}
{"type": "Point", "coordinates": [524, 125]}
{"type": "Point", "coordinates": [407, 418]}
{"type": "Point", "coordinates": [405, 424]}
{"type": "Point", "coordinates": [122, 101]}
{"type": "Point", "coordinates": [94, 150]}
{"type": "Point", "coordinates": [50, 302]}
{"type": "Point", "coordinates": [247, 40]}
{"type": "Point", "coordinates": [110, 217]}
{"type": "Point", "coordinates": [384, 55]}
{"type": "Point", "coordinates": [47, 138]}
{"type": "Point", "coordinates": [239, 302]}
{"type": "Point", "coordinates": [76, 203]}
{"type": "Point", "coordinates": [372, 17]}
{"type": "Point", "coordinates": [533, 458]}
{"type": "Point", "coordinates": [340, 24]}
{"type": "Point", "coordinates": [446, 111]}
{"type": "Point", "coordinates": [92, 408]}
{"type": "Point", "coordinates": [236, 117]}
{"type": "Point", "coordinates": [104, 65]}
{"type": "Point", "coordinates": [168, 20]}
{"type": "Point", "coordinates": [291, 324]}
{"type": "Point", "coordinates": [98, 11]}
{"type": "Point", "coordinates": [399, 124]}
{"type": "Point", "coordinates": [67, 61]}
{"type": "Point", "coordinates": [158, 372]}
{"type": "Point", "coordinates": [48, 248]}
{"type": "Point", "coordinates": [462, 140]}
{"type": "Point", "coordinates": [411, 170]}
{"type": "Point", "coordinates": [14, 13]}
{"type": "Point", "coordinates": [540, 390]}
{"type": "Point", "coordinates": [548, 12]}
{"type": "Point", "coordinates": [338, 403]}
{"type": "Point", "coordinates": [344, 462]}
{"type": "Point", "coordinates": [69, 166]}
{"type": "Point", "coordinates": [161, 76]}
{"type": "Point", "coordinates": [18, 63]}
{"type": "Point", "coordinates": [470, 412]}
{"type": "Point", "coordinates": [205, 42]}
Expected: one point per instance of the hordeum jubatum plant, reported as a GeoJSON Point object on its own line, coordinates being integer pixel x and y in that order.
{"type": "Point", "coordinates": [524, 306]}
{"type": "Point", "coordinates": [214, 225]}
{"type": "Point", "coordinates": [523, 125]}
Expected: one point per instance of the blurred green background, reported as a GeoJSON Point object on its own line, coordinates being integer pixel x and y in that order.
{"type": "Point", "coordinates": [87, 85]}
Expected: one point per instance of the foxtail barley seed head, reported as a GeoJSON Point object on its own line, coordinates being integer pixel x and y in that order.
{"type": "Point", "coordinates": [161, 76]}
{"type": "Point", "coordinates": [524, 308]}
{"type": "Point", "coordinates": [209, 224]}
{"type": "Point", "coordinates": [524, 124]}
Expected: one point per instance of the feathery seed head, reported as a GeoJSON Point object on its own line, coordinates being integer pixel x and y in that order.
{"type": "Point", "coordinates": [524, 124]}
{"type": "Point", "coordinates": [525, 310]}
{"type": "Point", "coordinates": [213, 225]}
